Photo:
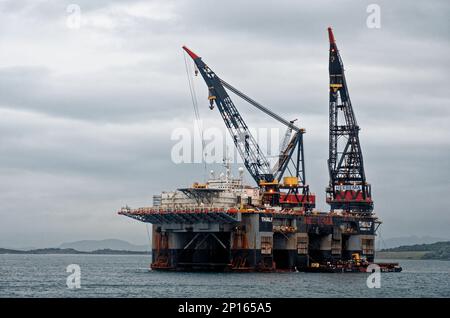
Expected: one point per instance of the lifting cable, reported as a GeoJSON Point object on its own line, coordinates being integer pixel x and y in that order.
{"type": "Point", "coordinates": [148, 234]}
{"type": "Point", "coordinates": [195, 105]}
{"type": "Point", "coordinates": [381, 241]}
{"type": "Point", "coordinates": [192, 89]}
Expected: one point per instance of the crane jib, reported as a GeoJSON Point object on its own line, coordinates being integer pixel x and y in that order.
{"type": "Point", "coordinates": [254, 160]}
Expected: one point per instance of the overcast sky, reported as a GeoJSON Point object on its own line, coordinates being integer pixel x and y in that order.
{"type": "Point", "coordinates": [86, 114]}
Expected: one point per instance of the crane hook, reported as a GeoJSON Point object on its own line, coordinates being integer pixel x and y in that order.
{"type": "Point", "coordinates": [211, 98]}
{"type": "Point", "coordinates": [195, 69]}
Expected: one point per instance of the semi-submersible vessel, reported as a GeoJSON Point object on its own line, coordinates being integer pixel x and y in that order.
{"type": "Point", "coordinates": [225, 225]}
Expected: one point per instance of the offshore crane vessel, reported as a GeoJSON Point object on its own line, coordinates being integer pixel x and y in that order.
{"type": "Point", "coordinates": [226, 225]}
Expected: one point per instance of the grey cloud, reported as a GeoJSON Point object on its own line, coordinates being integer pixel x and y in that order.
{"type": "Point", "coordinates": [86, 115]}
{"type": "Point", "coordinates": [108, 96]}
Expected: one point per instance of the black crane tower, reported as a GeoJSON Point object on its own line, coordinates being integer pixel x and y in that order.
{"type": "Point", "coordinates": [348, 189]}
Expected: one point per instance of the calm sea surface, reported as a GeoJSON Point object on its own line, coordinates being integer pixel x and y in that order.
{"type": "Point", "coordinates": [128, 276]}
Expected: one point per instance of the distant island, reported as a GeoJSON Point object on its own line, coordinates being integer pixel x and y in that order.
{"type": "Point", "coordinates": [386, 243]}
{"type": "Point", "coordinates": [72, 251]}
{"type": "Point", "coordinates": [437, 251]}
{"type": "Point", "coordinates": [97, 247]}
{"type": "Point", "coordinates": [111, 244]}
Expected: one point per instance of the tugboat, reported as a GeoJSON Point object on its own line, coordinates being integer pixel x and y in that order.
{"type": "Point", "coordinates": [355, 265]}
